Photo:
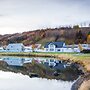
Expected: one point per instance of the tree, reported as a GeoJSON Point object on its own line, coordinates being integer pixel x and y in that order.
{"type": "Point", "coordinates": [79, 38]}
{"type": "Point", "coordinates": [76, 26]}
{"type": "Point", "coordinates": [88, 38]}
{"type": "Point", "coordinates": [33, 47]}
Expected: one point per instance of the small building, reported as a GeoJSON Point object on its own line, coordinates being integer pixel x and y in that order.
{"type": "Point", "coordinates": [28, 48]}
{"type": "Point", "coordinates": [15, 47]}
{"type": "Point", "coordinates": [71, 48]}
{"type": "Point", "coordinates": [54, 46]}
{"type": "Point", "coordinates": [85, 46]}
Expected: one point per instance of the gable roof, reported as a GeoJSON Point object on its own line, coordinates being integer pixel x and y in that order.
{"type": "Point", "coordinates": [15, 44]}
{"type": "Point", "coordinates": [57, 44]}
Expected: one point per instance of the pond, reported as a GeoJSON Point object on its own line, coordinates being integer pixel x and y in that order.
{"type": "Point", "coordinates": [31, 73]}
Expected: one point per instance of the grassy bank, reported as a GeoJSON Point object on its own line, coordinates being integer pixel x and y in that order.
{"type": "Point", "coordinates": [83, 59]}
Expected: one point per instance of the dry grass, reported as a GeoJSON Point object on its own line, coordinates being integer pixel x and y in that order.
{"type": "Point", "coordinates": [85, 85]}
{"type": "Point", "coordinates": [83, 59]}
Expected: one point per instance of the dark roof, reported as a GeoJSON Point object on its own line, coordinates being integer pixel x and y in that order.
{"type": "Point", "coordinates": [57, 44]}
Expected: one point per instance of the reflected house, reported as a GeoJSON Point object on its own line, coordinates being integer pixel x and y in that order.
{"type": "Point", "coordinates": [15, 47]}
{"type": "Point", "coordinates": [56, 64]}
{"type": "Point", "coordinates": [51, 62]}
{"type": "Point", "coordinates": [14, 61]}
{"type": "Point", "coordinates": [61, 66]}
{"type": "Point", "coordinates": [28, 60]}
{"type": "Point", "coordinates": [39, 59]}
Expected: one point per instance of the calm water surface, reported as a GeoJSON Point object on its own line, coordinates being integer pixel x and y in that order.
{"type": "Point", "coordinates": [35, 73]}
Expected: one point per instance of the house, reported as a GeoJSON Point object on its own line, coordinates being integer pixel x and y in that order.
{"type": "Point", "coordinates": [71, 48]}
{"type": "Point", "coordinates": [54, 46]}
{"type": "Point", "coordinates": [28, 48]}
{"type": "Point", "coordinates": [60, 47]}
{"type": "Point", "coordinates": [85, 46]}
{"type": "Point", "coordinates": [28, 60]}
{"type": "Point", "coordinates": [15, 47]}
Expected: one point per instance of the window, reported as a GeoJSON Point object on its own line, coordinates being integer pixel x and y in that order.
{"type": "Point", "coordinates": [51, 49]}
{"type": "Point", "coordinates": [51, 45]}
{"type": "Point", "coordinates": [11, 46]}
{"type": "Point", "coordinates": [59, 50]}
{"type": "Point", "coordinates": [46, 49]}
{"type": "Point", "coordinates": [51, 60]}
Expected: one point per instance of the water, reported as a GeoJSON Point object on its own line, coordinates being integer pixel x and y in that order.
{"type": "Point", "coordinates": [23, 73]}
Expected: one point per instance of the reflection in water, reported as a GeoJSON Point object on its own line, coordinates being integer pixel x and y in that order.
{"type": "Point", "coordinates": [21, 82]}
{"type": "Point", "coordinates": [14, 61]}
{"type": "Point", "coordinates": [49, 68]}
{"type": "Point", "coordinates": [42, 67]}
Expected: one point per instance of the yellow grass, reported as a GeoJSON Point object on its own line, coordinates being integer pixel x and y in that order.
{"type": "Point", "coordinates": [85, 85]}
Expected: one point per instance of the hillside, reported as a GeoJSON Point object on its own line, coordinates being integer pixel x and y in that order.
{"type": "Point", "coordinates": [69, 35]}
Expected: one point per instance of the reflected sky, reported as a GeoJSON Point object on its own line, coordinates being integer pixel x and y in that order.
{"type": "Point", "coordinates": [12, 81]}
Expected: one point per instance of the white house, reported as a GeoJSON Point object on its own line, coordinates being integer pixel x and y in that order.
{"type": "Point", "coordinates": [28, 48]}
{"type": "Point", "coordinates": [54, 46]}
{"type": "Point", "coordinates": [60, 47]}
{"type": "Point", "coordinates": [15, 47]}
{"type": "Point", "coordinates": [85, 46]}
{"type": "Point", "coordinates": [71, 48]}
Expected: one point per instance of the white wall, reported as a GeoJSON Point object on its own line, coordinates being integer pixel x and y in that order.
{"type": "Point", "coordinates": [28, 49]}
{"type": "Point", "coordinates": [64, 50]}
{"type": "Point", "coordinates": [51, 47]}
{"type": "Point", "coordinates": [15, 48]}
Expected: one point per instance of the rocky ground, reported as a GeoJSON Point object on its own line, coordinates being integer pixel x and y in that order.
{"type": "Point", "coordinates": [83, 83]}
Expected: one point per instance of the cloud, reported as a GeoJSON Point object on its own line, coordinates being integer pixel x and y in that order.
{"type": "Point", "coordinates": [1, 15]}
{"type": "Point", "coordinates": [20, 15]}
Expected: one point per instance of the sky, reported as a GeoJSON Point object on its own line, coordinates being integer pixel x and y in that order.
{"type": "Point", "coordinates": [27, 15]}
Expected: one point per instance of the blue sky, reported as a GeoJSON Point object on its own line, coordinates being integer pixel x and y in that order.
{"type": "Point", "coordinates": [26, 15]}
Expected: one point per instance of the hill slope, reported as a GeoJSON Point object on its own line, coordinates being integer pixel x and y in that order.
{"type": "Point", "coordinates": [69, 35]}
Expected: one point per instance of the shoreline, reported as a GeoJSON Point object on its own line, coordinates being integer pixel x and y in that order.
{"type": "Point", "coordinates": [81, 82]}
